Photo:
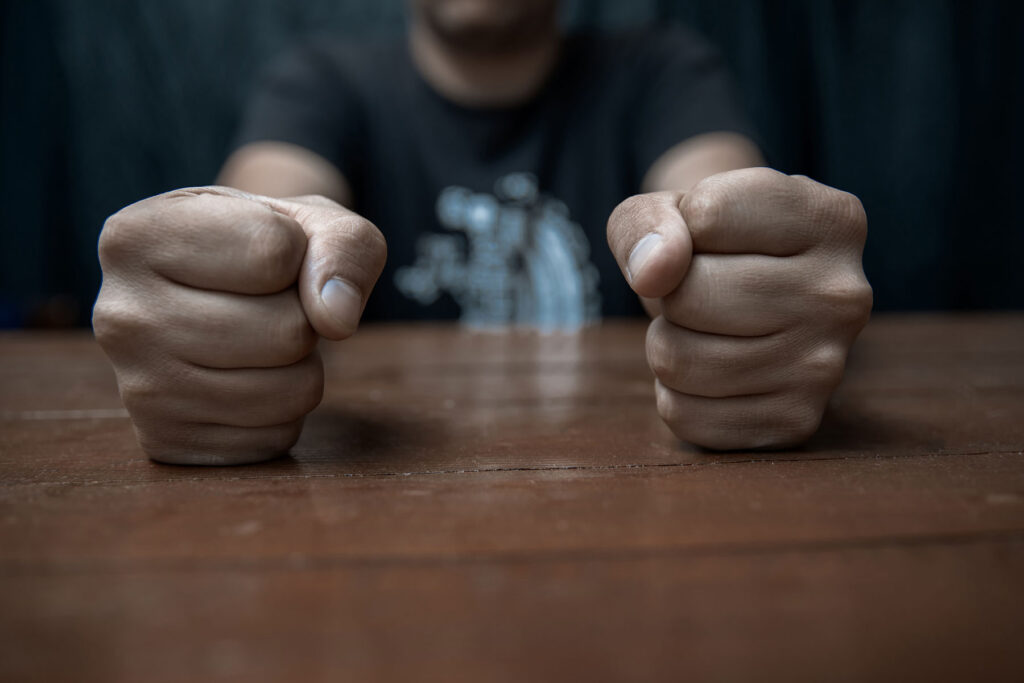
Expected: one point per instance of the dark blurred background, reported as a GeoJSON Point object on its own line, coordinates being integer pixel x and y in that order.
{"type": "Point", "coordinates": [917, 107]}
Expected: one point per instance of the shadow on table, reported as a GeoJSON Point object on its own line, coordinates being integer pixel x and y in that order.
{"type": "Point", "coordinates": [852, 429]}
{"type": "Point", "coordinates": [360, 443]}
{"type": "Point", "coordinates": [364, 443]}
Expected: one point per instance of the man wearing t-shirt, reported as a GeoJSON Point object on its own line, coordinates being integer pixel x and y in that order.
{"type": "Point", "coordinates": [473, 171]}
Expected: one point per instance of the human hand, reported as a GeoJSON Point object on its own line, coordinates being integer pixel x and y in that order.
{"type": "Point", "coordinates": [210, 311]}
{"type": "Point", "coordinates": [758, 280]}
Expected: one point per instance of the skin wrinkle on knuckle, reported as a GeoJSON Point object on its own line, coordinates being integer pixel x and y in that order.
{"type": "Point", "coordinates": [158, 444]}
{"type": "Point", "coordinates": [371, 235]}
{"type": "Point", "coordinates": [356, 245]}
{"type": "Point", "coordinates": [776, 421]}
{"type": "Point", "coordinates": [119, 323]}
{"type": "Point", "coordinates": [801, 425]}
{"type": "Point", "coordinates": [143, 396]}
{"type": "Point", "coordinates": [284, 436]}
{"type": "Point", "coordinates": [120, 238]}
{"type": "Point", "coordinates": [105, 325]}
{"type": "Point", "coordinates": [701, 207]}
{"type": "Point", "coordinates": [790, 418]}
{"type": "Point", "coordinates": [637, 215]}
{"type": "Point", "coordinates": [851, 215]}
{"type": "Point", "coordinates": [840, 218]}
{"type": "Point", "coordinates": [680, 363]}
{"type": "Point", "coordinates": [621, 223]}
{"type": "Point", "coordinates": [684, 424]}
{"type": "Point", "coordinates": [376, 245]}
{"type": "Point", "coordinates": [163, 390]}
{"type": "Point", "coordinates": [245, 398]}
{"type": "Point", "coordinates": [821, 369]}
{"type": "Point", "coordinates": [276, 438]}
{"type": "Point", "coordinates": [632, 208]}
{"type": "Point", "coordinates": [274, 249]}
{"type": "Point", "coordinates": [846, 297]}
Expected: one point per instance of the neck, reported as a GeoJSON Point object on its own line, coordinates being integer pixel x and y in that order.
{"type": "Point", "coordinates": [479, 79]}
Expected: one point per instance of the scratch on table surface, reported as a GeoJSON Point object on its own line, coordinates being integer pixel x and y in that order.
{"type": "Point", "coordinates": [93, 414]}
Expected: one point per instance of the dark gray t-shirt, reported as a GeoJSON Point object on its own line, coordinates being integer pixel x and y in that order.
{"type": "Point", "coordinates": [497, 215]}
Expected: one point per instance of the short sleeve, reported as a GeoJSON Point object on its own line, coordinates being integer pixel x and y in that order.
{"type": "Point", "coordinates": [685, 90]}
{"type": "Point", "coordinates": [303, 98]}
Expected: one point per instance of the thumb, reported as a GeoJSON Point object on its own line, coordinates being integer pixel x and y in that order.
{"type": "Point", "coordinates": [344, 257]}
{"type": "Point", "coordinates": [651, 242]}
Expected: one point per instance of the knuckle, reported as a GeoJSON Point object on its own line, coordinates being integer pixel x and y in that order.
{"type": "Point", "coordinates": [118, 238]}
{"type": "Point", "coordinates": [848, 297]}
{"type": "Point", "coordinates": [851, 209]}
{"type": "Point", "coordinates": [158, 442]}
{"type": "Point", "coordinates": [702, 206]}
{"type": "Point", "coordinates": [140, 392]}
{"type": "Point", "coordinates": [276, 247]}
{"type": "Point", "coordinates": [686, 425]}
{"type": "Point", "coordinates": [629, 212]}
{"type": "Point", "coordinates": [357, 242]}
{"type": "Point", "coordinates": [628, 209]}
{"type": "Point", "coordinates": [372, 239]}
{"type": "Point", "coordinates": [844, 215]}
{"type": "Point", "coordinates": [117, 322]}
{"type": "Point", "coordinates": [823, 368]}
{"type": "Point", "coordinates": [799, 422]}
{"type": "Point", "coordinates": [787, 422]}
{"type": "Point", "coordinates": [851, 215]}
{"type": "Point", "coordinates": [282, 437]}
{"type": "Point", "coordinates": [272, 441]}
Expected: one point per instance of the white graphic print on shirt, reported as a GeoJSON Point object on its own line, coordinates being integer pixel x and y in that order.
{"type": "Point", "coordinates": [526, 263]}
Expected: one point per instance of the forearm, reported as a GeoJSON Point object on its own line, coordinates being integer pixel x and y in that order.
{"type": "Point", "coordinates": [689, 162]}
{"type": "Point", "coordinates": [278, 169]}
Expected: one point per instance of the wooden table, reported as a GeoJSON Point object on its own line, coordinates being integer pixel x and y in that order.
{"type": "Point", "coordinates": [508, 507]}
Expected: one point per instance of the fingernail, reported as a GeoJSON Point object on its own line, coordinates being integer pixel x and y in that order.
{"type": "Point", "coordinates": [647, 245]}
{"type": "Point", "coordinates": [343, 302]}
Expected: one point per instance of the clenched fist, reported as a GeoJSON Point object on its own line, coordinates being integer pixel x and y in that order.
{"type": "Point", "coordinates": [757, 284]}
{"type": "Point", "coordinates": [211, 306]}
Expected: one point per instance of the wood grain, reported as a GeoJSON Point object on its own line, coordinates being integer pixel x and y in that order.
{"type": "Point", "coordinates": [508, 507]}
{"type": "Point", "coordinates": [889, 613]}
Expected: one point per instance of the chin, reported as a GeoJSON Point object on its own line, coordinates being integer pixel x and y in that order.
{"type": "Point", "coordinates": [487, 24]}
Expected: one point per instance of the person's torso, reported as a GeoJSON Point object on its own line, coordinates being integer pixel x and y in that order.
{"type": "Point", "coordinates": [496, 216]}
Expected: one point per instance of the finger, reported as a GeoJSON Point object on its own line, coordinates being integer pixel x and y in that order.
{"type": "Point", "coordinates": [209, 238]}
{"type": "Point", "coordinates": [740, 294]}
{"type": "Point", "coordinates": [223, 330]}
{"type": "Point", "coordinates": [344, 258]}
{"type": "Point", "coordinates": [649, 240]}
{"type": "Point", "coordinates": [242, 397]}
{"type": "Point", "coordinates": [716, 366]}
{"type": "Point", "coordinates": [762, 211]}
{"type": "Point", "coordinates": [216, 445]}
{"type": "Point", "coordinates": [762, 421]}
